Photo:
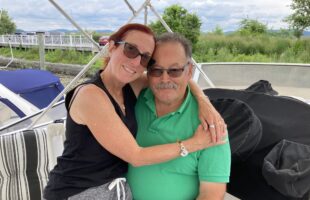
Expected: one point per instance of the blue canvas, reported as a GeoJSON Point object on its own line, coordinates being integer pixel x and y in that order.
{"type": "Point", "coordinates": [37, 86]}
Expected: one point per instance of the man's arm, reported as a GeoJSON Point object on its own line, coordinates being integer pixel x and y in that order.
{"type": "Point", "coordinates": [214, 172]}
{"type": "Point", "coordinates": [211, 191]}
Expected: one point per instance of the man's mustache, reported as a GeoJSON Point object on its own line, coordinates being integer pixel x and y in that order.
{"type": "Point", "coordinates": [166, 86]}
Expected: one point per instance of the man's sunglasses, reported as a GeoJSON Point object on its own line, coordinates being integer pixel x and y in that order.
{"type": "Point", "coordinates": [155, 71]}
{"type": "Point", "coordinates": [132, 52]}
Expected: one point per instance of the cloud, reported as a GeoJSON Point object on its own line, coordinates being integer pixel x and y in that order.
{"type": "Point", "coordinates": [228, 14]}
{"type": "Point", "coordinates": [107, 14]}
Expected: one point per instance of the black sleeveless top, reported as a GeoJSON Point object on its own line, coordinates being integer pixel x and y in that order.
{"type": "Point", "coordinates": [84, 162]}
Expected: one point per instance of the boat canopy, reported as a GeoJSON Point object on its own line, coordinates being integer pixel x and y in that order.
{"type": "Point", "coordinates": [39, 87]}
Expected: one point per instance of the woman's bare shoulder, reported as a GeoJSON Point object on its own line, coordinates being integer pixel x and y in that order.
{"type": "Point", "coordinates": [89, 102]}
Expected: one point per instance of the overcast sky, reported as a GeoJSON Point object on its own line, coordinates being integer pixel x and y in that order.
{"type": "Point", "coordinates": [32, 15]}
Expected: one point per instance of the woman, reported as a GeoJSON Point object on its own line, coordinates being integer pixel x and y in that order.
{"type": "Point", "coordinates": [101, 125]}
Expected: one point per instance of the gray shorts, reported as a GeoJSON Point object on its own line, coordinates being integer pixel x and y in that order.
{"type": "Point", "coordinates": [105, 192]}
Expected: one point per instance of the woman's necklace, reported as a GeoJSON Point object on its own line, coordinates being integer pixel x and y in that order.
{"type": "Point", "coordinates": [120, 102]}
{"type": "Point", "coordinates": [122, 107]}
{"type": "Point", "coordinates": [119, 99]}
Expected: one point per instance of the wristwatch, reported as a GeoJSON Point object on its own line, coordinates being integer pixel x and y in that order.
{"type": "Point", "coordinates": [183, 150]}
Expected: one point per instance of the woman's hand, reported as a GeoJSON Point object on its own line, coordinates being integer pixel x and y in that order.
{"type": "Point", "coordinates": [203, 139]}
{"type": "Point", "coordinates": [208, 115]}
{"type": "Point", "coordinates": [211, 120]}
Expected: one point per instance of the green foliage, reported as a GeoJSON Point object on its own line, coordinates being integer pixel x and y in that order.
{"type": "Point", "coordinates": [210, 48]}
{"type": "Point", "coordinates": [53, 56]}
{"type": "Point", "coordinates": [252, 27]}
{"type": "Point", "coordinates": [7, 26]}
{"type": "Point", "coordinates": [217, 31]}
{"type": "Point", "coordinates": [300, 19]}
{"type": "Point", "coordinates": [96, 36]}
{"type": "Point", "coordinates": [180, 21]}
{"type": "Point", "coordinates": [260, 48]}
{"type": "Point", "coordinates": [284, 33]}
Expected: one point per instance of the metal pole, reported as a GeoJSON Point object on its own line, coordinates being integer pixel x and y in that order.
{"type": "Point", "coordinates": [160, 18]}
{"type": "Point", "coordinates": [145, 15]}
{"type": "Point", "coordinates": [40, 36]}
{"type": "Point", "coordinates": [146, 3]}
{"type": "Point", "coordinates": [74, 24]}
{"type": "Point", "coordinates": [198, 67]}
{"type": "Point", "coordinates": [12, 56]}
{"type": "Point", "coordinates": [130, 7]}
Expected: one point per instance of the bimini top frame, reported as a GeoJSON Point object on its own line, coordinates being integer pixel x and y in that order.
{"type": "Point", "coordinates": [147, 4]}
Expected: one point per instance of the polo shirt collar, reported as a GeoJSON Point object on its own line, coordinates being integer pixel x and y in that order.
{"type": "Point", "coordinates": [150, 101]}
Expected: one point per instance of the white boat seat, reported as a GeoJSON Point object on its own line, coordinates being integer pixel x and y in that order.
{"type": "Point", "coordinates": [26, 157]}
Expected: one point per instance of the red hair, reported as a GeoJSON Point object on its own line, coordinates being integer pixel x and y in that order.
{"type": "Point", "coordinates": [121, 33]}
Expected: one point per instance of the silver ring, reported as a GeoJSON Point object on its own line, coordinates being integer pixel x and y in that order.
{"type": "Point", "coordinates": [211, 126]}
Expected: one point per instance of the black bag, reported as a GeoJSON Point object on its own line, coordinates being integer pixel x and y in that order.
{"type": "Point", "coordinates": [262, 86]}
{"type": "Point", "coordinates": [287, 168]}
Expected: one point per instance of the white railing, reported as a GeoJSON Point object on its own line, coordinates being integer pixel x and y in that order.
{"type": "Point", "coordinates": [79, 42]}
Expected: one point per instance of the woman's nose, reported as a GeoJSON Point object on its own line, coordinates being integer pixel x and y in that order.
{"type": "Point", "coordinates": [136, 61]}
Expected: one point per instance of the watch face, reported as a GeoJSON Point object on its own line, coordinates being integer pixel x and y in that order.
{"type": "Point", "coordinates": [184, 153]}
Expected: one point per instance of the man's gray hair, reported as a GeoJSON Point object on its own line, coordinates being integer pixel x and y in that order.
{"type": "Point", "coordinates": [176, 37]}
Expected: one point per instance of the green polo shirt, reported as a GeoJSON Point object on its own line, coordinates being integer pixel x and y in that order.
{"type": "Point", "coordinates": [177, 179]}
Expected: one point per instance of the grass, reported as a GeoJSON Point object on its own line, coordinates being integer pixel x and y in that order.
{"type": "Point", "coordinates": [263, 48]}
{"type": "Point", "coordinates": [210, 48]}
{"type": "Point", "coordinates": [53, 56]}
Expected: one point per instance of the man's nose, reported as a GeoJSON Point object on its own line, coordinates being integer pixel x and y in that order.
{"type": "Point", "coordinates": [165, 75]}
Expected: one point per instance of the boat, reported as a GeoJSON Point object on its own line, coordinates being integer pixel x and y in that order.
{"type": "Point", "coordinates": [13, 107]}
{"type": "Point", "coordinates": [272, 98]}
{"type": "Point", "coordinates": [24, 93]}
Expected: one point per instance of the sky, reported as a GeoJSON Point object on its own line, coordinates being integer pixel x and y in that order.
{"type": "Point", "coordinates": [41, 15]}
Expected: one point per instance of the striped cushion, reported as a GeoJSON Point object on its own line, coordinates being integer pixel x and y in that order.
{"type": "Point", "coordinates": [25, 160]}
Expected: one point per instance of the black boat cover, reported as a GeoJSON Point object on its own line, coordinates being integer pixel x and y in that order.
{"type": "Point", "coordinates": [244, 127]}
{"type": "Point", "coordinates": [282, 118]}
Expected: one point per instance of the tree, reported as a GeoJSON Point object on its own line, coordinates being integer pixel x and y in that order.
{"type": "Point", "coordinates": [300, 19]}
{"type": "Point", "coordinates": [7, 26]}
{"type": "Point", "coordinates": [180, 21]}
{"type": "Point", "coordinates": [217, 31]}
{"type": "Point", "coordinates": [252, 27]}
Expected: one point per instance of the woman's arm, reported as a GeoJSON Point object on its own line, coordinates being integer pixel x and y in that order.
{"type": "Point", "coordinates": [93, 108]}
{"type": "Point", "coordinates": [208, 115]}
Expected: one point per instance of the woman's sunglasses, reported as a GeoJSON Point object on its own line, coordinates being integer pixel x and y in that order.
{"type": "Point", "coordinates": [154, 71]}
{"type": "Point", "coordinates": [132, 52]}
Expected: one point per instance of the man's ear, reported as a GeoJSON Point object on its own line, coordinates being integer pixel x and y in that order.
{"type": "Point", "coordinates": [190, 70]}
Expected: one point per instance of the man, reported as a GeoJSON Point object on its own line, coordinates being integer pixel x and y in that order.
{"type": "Point", "coordinates": [167, 112]}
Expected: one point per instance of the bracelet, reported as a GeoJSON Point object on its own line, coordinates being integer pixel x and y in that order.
{"type": "Point", "coordinates": [183, 150]}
